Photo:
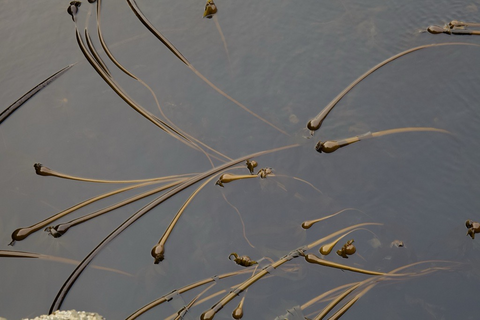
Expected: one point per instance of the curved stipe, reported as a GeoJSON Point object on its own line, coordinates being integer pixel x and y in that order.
{"type": "Point", "coordinates": [315, 123]}
{"type": "Point", "coordinates": [95, 54]}
{"type": "Point", "coordinates": [42, 170]}
{"type": "Point", "coordinates": [173, 127]}
{"type": "Point", "coordinates": [156, 33]}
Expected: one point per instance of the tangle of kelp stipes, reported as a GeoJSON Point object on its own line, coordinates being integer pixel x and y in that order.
{"type": "Point", "coordinates": [159, 123]}
{"type": "Point", "coordinates": [184, 289]}
{"type": "Point", "coordinates": [181, 313]}
{"type": "Point", "coordinates": [315, 123]}
{"type": "Point", "coordinates": [22, 233]}
{"type": "Point", "coordinates": [60, 229]}
{"type": "Point", "coordinates": [169, 45]}
{"type": "Point", "coordinates": [31, 255]}
{"type": "Point", "coordinates": [42, 170]}
{"type": "Point", "coordinates": [57, 303]}
{"type": "Point", "coordinates": [192, 140]}
{"type": "Point", "coordinates": [369, 284]}
{"type": "Point", "coordinates": [14, 106]}
{"type": "Point", "coordinates": [209, 314]}
{"type": "Point", "coordinates": [333, 145]}
{"type": "Point", "coordinates": [168, 297]}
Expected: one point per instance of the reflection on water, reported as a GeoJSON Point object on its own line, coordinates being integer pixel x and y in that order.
{"type": "Point", "coordinates": [283, 64]}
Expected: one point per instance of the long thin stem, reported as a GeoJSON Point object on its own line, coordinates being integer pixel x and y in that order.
{"type": "Point", "coordinates": [31, 255]}
{"type": "Point", "coordinates": [189, 287]}
{"type": "Point", "coordinates": [14, 106]}
{"type": "Point", "coordinates": [22, 233]}
{"type": "Point", "coordinates": [315, 123]}
{"type": "Point", "coordinates": [209, 314]}
{"type": "Point", "coordinates": [169, 45]}
{"type": "Point", "coordinates": [121, 67]}
{"type": "Point", "coordinates": [61, 229]}
{"type": "Point", "coordinates": [333, 145]}
{"type": "Point", "coordinates": [42, 170]}
{"type": "Point", "coordinates": [158, 251]}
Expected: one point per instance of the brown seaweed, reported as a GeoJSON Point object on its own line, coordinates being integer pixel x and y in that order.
{"type": "Point", "coordinates": [315, 123]}
{"type": "Point", "coordinates": [57, 303]}
{"type": "Point", "coordinates": [14, 106]}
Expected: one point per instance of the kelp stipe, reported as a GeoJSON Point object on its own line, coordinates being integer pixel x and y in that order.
{"type": "Point", "coordinates": [315, 123]}
{"type": "Point", "coordinates": [22, 233]}
{"type": "Point", "coordinates": [42, 170]}
{"type": "Point", "coordinates": [333, 145]}
{"type": "Point", "coordinates": [169, 45]}
{"type": "Point", "coordinates": [158, 251]}
{"type": "Point", "coordinates": [60, 229]}
{"type": "Point", "coordinates": [14, 106]}
{"type": "Point", "coordinates": [31, 255]}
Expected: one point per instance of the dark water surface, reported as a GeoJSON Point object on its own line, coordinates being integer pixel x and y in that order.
{"type": "Point", "coordinates": [285, 61]}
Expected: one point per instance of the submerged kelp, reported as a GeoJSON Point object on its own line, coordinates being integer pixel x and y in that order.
{"type": "Point", "coordinates": [155, 92]}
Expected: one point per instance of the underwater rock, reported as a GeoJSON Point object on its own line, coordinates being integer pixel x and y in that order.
{"type": "Point", "coordinates": [70, 315]}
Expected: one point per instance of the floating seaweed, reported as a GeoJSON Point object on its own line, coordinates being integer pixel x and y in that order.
{"type": "Point", "coordinates": [277, 263]}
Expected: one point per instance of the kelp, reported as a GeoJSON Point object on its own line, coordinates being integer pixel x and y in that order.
{"type": "Point", "coordinates": [17, 104]}
{"type": "Point", "coordinates": [31, 255]}
{"type": "Point", "coordinates": [315, 123]}
{"type": "Point", "coordinates": [333, 145]}
{"type": "Point", "coordinates": [22, 233]}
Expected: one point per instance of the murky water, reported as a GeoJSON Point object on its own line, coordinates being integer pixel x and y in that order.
{"type": "Point", "coordinates": [285, 61]}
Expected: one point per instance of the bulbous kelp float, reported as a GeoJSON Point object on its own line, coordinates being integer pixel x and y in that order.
{"type": "Point", "coordinates": [210, 9]}
{"type": "Point", "coordinates": [243, 261]}
{"type": "Point", "coordinates": [229, 177]}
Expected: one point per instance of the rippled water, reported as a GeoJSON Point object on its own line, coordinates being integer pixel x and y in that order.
{"type": "Point", "coordinates": [285, 61]}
